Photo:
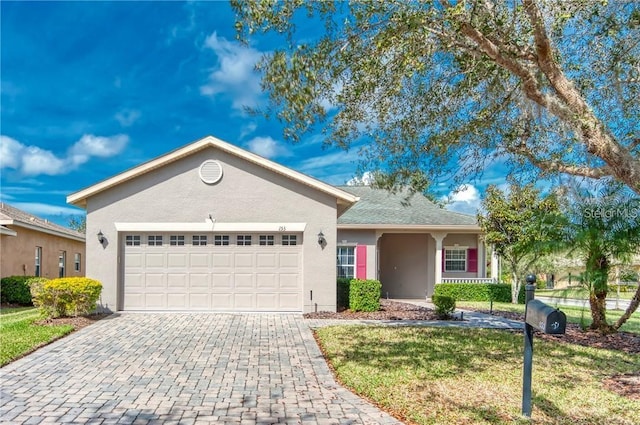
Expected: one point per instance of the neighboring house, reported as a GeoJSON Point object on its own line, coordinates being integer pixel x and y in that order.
{"type": "Point", "coordinates": [213, 227]}
{"type": "Point", "coordinates": [32, 246]}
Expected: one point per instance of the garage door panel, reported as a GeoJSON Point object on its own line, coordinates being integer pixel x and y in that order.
{"type": "Point", "coordinates": [244, 302]}
{"type": "Point", "coordinates": [266, 281]}
{"type": "Point", "coordinates": [155, 280]}
{"type": "Point", "coordinates": [244, 281]}
{"type": "Point", "coordinates": [199, 280]}
{"type": "Point", "coordinates": [199, 259]}
{"type": "Point", "coordinates": [176, 260]}
{"type": "Point", "coordinates": [218, 278]}
{"type": "Point", "coordinates": [177, 282]}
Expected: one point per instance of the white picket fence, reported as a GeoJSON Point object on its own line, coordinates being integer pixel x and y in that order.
{"type": "Point", "coordinates": [468, 280]}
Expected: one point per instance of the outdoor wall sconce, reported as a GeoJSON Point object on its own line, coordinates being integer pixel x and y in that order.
{"type": "Point", "coordinates": [101, 237]}
{"type": "Point", "coordinates": [321, 240]}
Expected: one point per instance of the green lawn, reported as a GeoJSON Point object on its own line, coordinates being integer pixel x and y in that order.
{"type": "Point", "coordinates": [582, 293]}
{"type": "Point", "coordinates": [474, 376]}
{"type": "Point", "coordinates": [574, 314]}
{"type": "Point", "coordinates": [19, 335]}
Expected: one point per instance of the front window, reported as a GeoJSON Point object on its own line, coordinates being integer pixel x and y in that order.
{"type": "Point", "coordinates": [154, 240]}
{"type": "Point", "coordinates": [62, 261]}
{"type": "Point", "coordinates": [243, 240]}
{"type": "Point", "coordinates": [76, 262]}
{"type": "Point", "coordinates": [199, 240]}
{"type": "Point", "coordinates": [221, 240]}
{"type": "Point", "coordinates": [455, 260]}
{"type": "Point", "coordinates": [132, 240]}
{"type": "Point", "coordinates": [38, 270]}
{"type": "Point", "coordinates": [176, 240]}
{"type": "Point", "coordinates": [346, 262]}
{"type": "Point", "coordinates": [266, 240]}
{"type": "Point", "coordinates": [289, 240]}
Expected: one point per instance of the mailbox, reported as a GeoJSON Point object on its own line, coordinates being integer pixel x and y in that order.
{"type": "Point", "coordinates": [545, 318]}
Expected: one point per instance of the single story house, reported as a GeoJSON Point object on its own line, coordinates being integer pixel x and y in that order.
{"type": "Point", "coordinates": [212, 227]}
{"type": "Point", "coordinates": [32, 246]}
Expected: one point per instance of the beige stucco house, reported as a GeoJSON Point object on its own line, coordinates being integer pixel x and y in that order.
{"type": "Point", "coordinates": [32, 246]}
{"type": "Point", "coordinates": [212, 227]}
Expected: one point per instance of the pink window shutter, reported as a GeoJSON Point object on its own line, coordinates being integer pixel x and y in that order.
{"type": "Point", "coordinates": [361, 262]}
{"type": "Point", "coordinates": [472, 260]}
{"type": "Point", "coordinates": [443, 259]}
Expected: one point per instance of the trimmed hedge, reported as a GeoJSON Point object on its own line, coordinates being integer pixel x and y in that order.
{"type": "Point", "coordinates": [343, 292]}
{"type": "Point", "coordinates": [364, 295]}
{"type": "Point", "coordinates": [498, 292]}
{"type": "Point", "coordinates": [444, 305]}
{"type": "Point", "coordinates": [15, 290]}
{"type": "Point", "coordinates": [67, 296]}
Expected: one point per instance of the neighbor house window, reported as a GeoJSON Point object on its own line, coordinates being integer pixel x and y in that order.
{"type": "Point", "coordinates": [176, 240]}
{"type": "Point", "coordinates": [132, 240]}
{"type": "Point", "coordinates": [455, 259]}
{"type": "Point", "coordinates": [346, 261]}
{"type": "Point", "coordinates": [76, 262]}
{"type": "Point", "coordinates": [243, 240]}
{"type": "Point", "coordinates": [199, 240]}
{"type": "Point", "coordinates": [289, 240]}
{"type": "Point", "coordinates": [154, 240]}
{"type": "Point", "coordinates": [266, 240]}
{"type": "Point", "coordinates": [38, 271]}
{"type": "Point", "coordinates": [62, 262]}
{"type": "Point", "coordinates": [221, 240]}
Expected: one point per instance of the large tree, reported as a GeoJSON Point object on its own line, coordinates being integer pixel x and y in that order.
{"type": "Point", "coordinates": [520, 225]}
{"type": "Point", "coordinates": [445, 87]}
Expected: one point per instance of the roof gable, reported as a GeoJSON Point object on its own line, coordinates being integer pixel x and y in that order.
{"type": "Point", "coordinates": [380, 208]}
{"type": "Point", "coordinates": [12, 216]}
{"type": "Point", "coordinates": [344, 199]}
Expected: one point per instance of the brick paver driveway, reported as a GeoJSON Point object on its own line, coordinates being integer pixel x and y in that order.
{"type": "Point", "coordinates": [182, 368]}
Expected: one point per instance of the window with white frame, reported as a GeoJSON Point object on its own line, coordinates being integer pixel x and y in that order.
{"type": "Point", "coordinates": [62, 263]}
{"type": "Point", "coordinates": [243, 240]}
{"type": "Point", "coordinates": [132, 240]}
{"type": "Point", "coordinates": [154, 240]}
{"type": "Point", "coordinates": [221, 240]}
{"type": "Point", "coordinates": [38, 270]}
{"type": "Point", "coordinates": [176, 240]}
{"type": "Point", "coordinates": [266, 240]}
{"type": "Point", "coordinates": [199, 240]}
{"type": "Point", "coordinates": [346, 262]}
{"type": "Point", "coordinates": [289, 240]}
{"type": "Point", "coordinates": [455, 259]}
{"type": "Point", "coordinates": [76, 261]}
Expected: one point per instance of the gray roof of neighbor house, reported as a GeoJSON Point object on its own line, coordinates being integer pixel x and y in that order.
{"type": "Point", "coordinates": [12, 216]}
{"type": "Point", "coordinates": [381, 208]}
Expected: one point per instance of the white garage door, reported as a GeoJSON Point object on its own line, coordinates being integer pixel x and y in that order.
{"type": "Point", "coordinates": [207, 272]}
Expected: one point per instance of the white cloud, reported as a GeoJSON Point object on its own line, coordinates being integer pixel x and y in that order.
{"type": "Point", "coordinates": [465, 199]}
{"type": "Point", "coordinates": [32, 160]}
{"type": "Point", "coordinates": [247, 129]}
{"type": "Point", "coordinates": [327, 166]}
{"type": "Point", "coordinates": [234, 74]}
{"type": "Point", "coordinates": [364, 180]}
{"type": "Point", "coordinates": [37, 208]}
{"type": "Point", "coordinates": [127, 117]}
{"type": "Point", "coordinates": [267, 147]}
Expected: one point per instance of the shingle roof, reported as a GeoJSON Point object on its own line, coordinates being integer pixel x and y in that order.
{"type": "Point", "coordinates": [381, 207]}
{"type": "Point", "coordinates": [13, 216]}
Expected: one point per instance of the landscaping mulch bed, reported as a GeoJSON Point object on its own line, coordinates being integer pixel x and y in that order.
{"type": "Point", "coordinates": [389, 310]}
{"type": "Point", "coordinates": [77, 322]}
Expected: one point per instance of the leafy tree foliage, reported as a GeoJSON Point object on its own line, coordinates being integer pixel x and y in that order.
{"type": "Point", "coordinates": [450, 86]}
{"type": "Point", "coordinates": [520, 225]}
{"type": "Point", "coordinates": [603, 228]}
{"type": "Point", "coordinates": [78, 223]}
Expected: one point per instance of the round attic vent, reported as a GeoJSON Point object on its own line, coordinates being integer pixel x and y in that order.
{"type": "Point", "coordinates": [210, 171]}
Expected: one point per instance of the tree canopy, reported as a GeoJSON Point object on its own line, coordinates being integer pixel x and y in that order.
{"type": "Point", "coordinates": [444, 89]}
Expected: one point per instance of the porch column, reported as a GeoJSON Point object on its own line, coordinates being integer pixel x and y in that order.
{"type": "Point", "coordinates": [482, 260]}
{"type": "Point", "coordinates": [494, 264]}
{"type": "Point", "coordinates": [439, 237]}
{"type": "Point", "coordinates": [378, 236]}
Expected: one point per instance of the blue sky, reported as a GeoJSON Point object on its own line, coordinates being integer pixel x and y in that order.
{"type": "Point", "coordinates": [90, 89]}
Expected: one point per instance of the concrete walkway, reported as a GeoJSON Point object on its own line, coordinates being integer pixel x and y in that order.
{"type": "Point", "coordinates": [182, 369]}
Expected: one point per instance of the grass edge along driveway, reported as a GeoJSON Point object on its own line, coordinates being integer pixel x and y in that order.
{"type": "Point", "coordinates": [474, 376]}
{"type": "Point", "coordinates": [19, 335]}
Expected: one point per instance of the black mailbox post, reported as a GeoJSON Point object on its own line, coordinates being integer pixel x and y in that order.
{"type": "Point", "coordinates": [545, 318]}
